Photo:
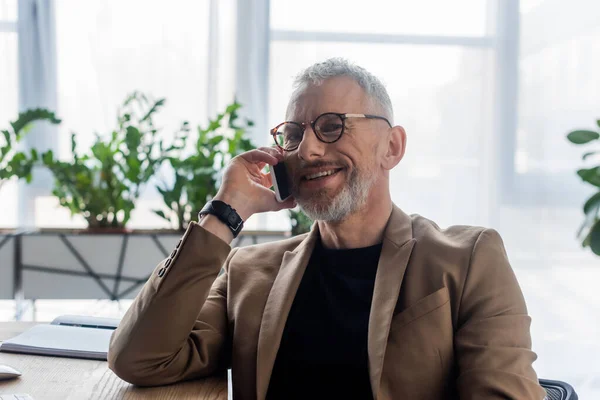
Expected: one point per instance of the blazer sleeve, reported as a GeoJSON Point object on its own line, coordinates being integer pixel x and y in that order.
{"type": "Point", "coordinates": [176, 329]}
{"type": "Point", "coordinates": [493, 343]}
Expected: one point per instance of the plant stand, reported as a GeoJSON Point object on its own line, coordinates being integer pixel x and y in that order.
{"type": "Point", "coordinates": [83, 265]}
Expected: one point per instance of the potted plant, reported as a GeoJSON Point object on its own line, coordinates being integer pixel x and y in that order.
{"type": "Point", "coordinates": [196, 168]}
{"type": "Point", "coordinates": [104, 184]}
{"type": "Point", "coordinates": [589, 232]}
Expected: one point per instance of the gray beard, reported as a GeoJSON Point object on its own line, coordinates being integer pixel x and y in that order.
{"type": "Point", "coordinates": [352, 198]}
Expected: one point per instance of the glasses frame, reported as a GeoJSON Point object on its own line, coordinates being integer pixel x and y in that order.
{"type": "Point", "coordinates": [313, 124]}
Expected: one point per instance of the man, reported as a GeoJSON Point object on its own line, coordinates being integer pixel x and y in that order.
{"type": "Point", "coordinates": [372, 303]}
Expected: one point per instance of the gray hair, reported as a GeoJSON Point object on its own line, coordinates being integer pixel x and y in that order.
{"type": "Point", "coordinates": [334, 67]}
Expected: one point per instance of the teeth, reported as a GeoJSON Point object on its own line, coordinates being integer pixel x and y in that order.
{"type": "Point", "coordinates": [319, 174]}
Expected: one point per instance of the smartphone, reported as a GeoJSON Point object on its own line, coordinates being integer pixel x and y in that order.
{"type": "Point", "coordinates": [280, 181]}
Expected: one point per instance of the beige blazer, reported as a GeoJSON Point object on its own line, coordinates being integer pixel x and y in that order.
{"type": "Point", "coordinates": [448, 319]}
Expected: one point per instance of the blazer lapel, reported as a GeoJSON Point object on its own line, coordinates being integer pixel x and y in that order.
{"type": "Point", "coordinates": [395, 254]}
{"type": "Point", "coordinates": [278, 307]}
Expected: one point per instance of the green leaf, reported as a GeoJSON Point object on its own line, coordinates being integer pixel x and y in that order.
{"type": "Point", "coordinates": [594, 238]}
{"type": "Point", "coordinates": [29, 116]}
{"type": "Point", "coordinates": [133, 138]}
{"type": "Point", "coordinates": [589, 153]}
{"type": "Point", "coordinates": [213, 125]}
{"type": "Point", "coordinates": [7, 138]}
{"type": "Point", "coordinates": [598, 123]}
{"type": "Point", "coordinates": [233, 107]}
{"type": "Point", "coordinates": [161, 214]}
{"type": "Point", "coordinates": [582, 136]}
{"type": "Point", "coordinates": [591, 175]}
{"type": "Point", "coordinates": [73, 144]}
{"type": "Point", "coordinates": [48, 158]}
{"type": "Point", "coordinates": [159, 103]}
{"type": "Point", "coordinates": [215, 141]}
{"type": "Point", "coordinates": [163, 192]}
{"type": "Point", "coordinates": [592, 203]}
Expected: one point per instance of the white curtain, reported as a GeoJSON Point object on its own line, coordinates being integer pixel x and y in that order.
{"type": "Point", "coordinates": [559, 78]}
{"type": "Point", "coordinates": [252, 72]}
{"type": "Point", "coordinates": [440, 75]}
{"type": "Point", "coordinates": [37, 88]}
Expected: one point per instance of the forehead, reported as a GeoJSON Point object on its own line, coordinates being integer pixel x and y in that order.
{"type": "Point", "coordinates": [339, 94]}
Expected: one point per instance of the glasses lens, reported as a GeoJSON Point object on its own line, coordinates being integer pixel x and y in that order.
{"type": "Point", "coordinates": [329, 127]}
{"type": "Point", "coordinates": [289, 136]}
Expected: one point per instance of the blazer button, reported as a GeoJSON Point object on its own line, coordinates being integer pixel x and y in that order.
{"type": "Point", "coordinates": [167, 263]}
{"type": "Point", "coordinates": [161, 272]}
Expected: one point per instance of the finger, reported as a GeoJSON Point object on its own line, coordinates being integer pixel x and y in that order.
{"type": "Point", "coordinates": [272, 151]}
{"type": "Point", "coordinates": [268, 180]}
{"type": "Point", "coordinates": [262, 180]}
{"type": "Point", "coordinates": [278, 149]}
{"type": "Point", "coordinates": [268, 151]}
{"type": "Point", "coordinates": [257, 156]}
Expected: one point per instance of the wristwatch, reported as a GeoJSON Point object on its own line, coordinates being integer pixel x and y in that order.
{"type": "Point", "coordinates": [225, 213]}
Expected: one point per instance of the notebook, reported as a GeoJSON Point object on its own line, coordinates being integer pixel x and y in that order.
{"type": "Point", "coordinates": [66, 336]}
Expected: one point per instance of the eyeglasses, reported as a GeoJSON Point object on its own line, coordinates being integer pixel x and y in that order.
{"type": "Point", "coordinates": [328, 127]}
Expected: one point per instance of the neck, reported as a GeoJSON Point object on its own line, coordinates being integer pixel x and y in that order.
{"type": "Point", "coordinates": [362, 229]}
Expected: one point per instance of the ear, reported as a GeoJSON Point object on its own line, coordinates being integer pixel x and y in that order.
{"type": "Point", "coordinates": [395, 148]}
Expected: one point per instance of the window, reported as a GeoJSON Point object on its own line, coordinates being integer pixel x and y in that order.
{"type": "Point", "coordinates": [486, 112]}
{"type": "Point", "coordinates": [438, 69]}
{"type": "Point", "coordinates": [108, 49]}
{"type": "Point", "coordinates": [558, 81]}
{"type": "Point", "coordinates": [558, 72]}
{"type": "Point", "coordinates": [425, 17]}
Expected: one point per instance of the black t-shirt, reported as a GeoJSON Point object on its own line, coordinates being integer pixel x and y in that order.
{"type": "Point", "coordinates": [323, 351]}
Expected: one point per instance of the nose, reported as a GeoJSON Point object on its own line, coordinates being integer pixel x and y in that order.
{"type": "Point", "coordinates": [311, 148]}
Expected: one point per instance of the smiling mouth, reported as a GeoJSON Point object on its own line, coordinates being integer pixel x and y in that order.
{"type": "Point", "coordinates": [321, 174]}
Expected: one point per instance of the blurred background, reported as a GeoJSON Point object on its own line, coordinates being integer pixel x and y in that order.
{"type": "Point", "coordinates": [487, 91]}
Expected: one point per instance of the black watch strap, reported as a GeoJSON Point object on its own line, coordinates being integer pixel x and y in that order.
{"type": "Point", "coordinates": [225, 213]}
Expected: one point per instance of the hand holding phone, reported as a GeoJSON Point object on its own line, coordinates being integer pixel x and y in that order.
{"type": "Point", "coordinates": [247, 188]}
{"type": "Point", "coordinates": [281, 183]}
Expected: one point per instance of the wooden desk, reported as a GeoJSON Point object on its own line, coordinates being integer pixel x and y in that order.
{"type": "Point", "coordinates": [68, 378]}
